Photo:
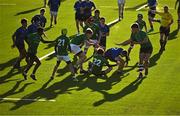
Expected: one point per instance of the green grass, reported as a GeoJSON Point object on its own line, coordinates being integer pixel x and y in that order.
{"type": "Point", "coordinates": [157, 94]}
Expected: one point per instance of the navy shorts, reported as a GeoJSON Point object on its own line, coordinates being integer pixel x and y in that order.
{"type": "Point", "coordinates": [164, 30]}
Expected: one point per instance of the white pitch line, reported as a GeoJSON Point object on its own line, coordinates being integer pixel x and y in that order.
{"type": "Point", "coordinates": [6, 4]}
{"type": "Point", "coordinates": [116, 20]}
{"type": "Point", "coordinates": [47, 55]}
{"type": "Point", "coordinates": [143, 6]}
{"type": "Point", "coordinates": [19, 99]}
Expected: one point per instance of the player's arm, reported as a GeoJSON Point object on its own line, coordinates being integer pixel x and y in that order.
{"type": "Point", "coordinates": [125, 42]}
{"type": "Point", "coordinates": [108, 31]}
{"type": "Point", "coordinates": [93, 6]}
{"type": "Point", "coordinates": [44, 41]}
{"type": "Point", "coordinates": [145, 27]}
{"type": "Point", "coordinates": [145, 40]}
{"type": "Point", "coordinates": [170, 22]}
{"type": "Point", "coordinates": [13, 39]}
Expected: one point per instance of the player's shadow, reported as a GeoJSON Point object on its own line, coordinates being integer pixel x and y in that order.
{"type": "Point", "coordinates": [7, 64]}
{"type": "Point", "coordinates": [153, 60]}
{"type": "Point", "coordinates": [27, 11]}
{"type": "Point", "coordinates": [8, 75]}
{"type": "Point", "coordinates": [48, 92]}
{"type": "Point", "coordinates": [108, 97]}
{"type": "Point", "coordinates": [173, 35]}
{"type": "Point", "coordinates": [15, 89]}
{"type": "Point", "coordinates": [93, 84]}
{"type": "Point", "coordinates": [153, 33]}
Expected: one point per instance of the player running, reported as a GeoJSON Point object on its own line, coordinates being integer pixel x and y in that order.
{"type": "Point", "coordinates": [140, 37]}
{"type": "Point", "coordinates": [54, 6]}
{"type": "Point", "coordinates": [33, 41]}
{"type": "Point", "coordinates": [104, 30]}
{"type": "Point", "coordinates": [98, 63]}
{"type": "Point", "coordinates": [116, 55]}
{"type": "Point", "coordinates": [121, 4]}
{"type": "Point", "coordinates": [151, 13]}
{"type": "Point", "coordinates": [142, 24]}
{"type": "Point", "coordinates": [166, 22]}
{"type": "Point", "coordinates": [61, 48]}
{"type": "Point", "coordinates": [76, 43]}
{"type": "Point", "coordinates": [18, 41]}
{"type": "Point", "coordinates": [178, 12]}
{"type": "Point", "coordinates": [79, 8]}
{"type": "Point", "coordinates": [41, 17]}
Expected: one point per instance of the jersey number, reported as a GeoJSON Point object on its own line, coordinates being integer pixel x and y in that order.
{"type": "Point", "coordinates": [97, 62]}
{"type": "Point", "coordinates": [61, 42]}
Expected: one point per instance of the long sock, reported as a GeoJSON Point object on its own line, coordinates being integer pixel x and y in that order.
{"type": "Point", "coordinates": [141, 68]}
{"type": "Point", "coordinates": [161, 43]}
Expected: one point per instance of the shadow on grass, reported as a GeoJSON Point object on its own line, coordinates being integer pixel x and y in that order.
{"type": "Point", "coordinates": [15, 89]}
{"type": "Point", "coordinates": [153, 60]}
{"type": "Point", "coordinates": [173, 35]}
{"type": "Point", "coordinates": [27, 11]}
{"type": "Point", "coordinates": [7, 64]}
{"type": "Point", "coordinates": [153, 33]}
{"type": "Point", "coordinates": [132, 87]}
{"type": "Point", "coordinates": [11, 73]}
{"type": "Point", "coordinates": [48, 92]}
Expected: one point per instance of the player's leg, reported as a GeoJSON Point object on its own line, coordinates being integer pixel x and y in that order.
{"type": "Point", "coordinates": [146, 62]}
{"type": "Point", "coordinates": [178, 19]}
{"type": "Point", "coordinates": [141, 66]}
{"type": "Point", "coordinates": [51, 19]}
{"type": "Point", "coordinates": [29, 64]}
{"type": "Point", "coordinates": [103, 42]}
{"type": "Point", "coordinates": [71, 68]}
{"type": "Point", "coordinates": [38, 63]}
{"type": "Point", "coordinates": [22, 55]}
{"type": "Point", "coordinates": [166, 36]}
{"type": "Point", "coordinates": [107, 70]}
{"type": "Point", "coordinates": [122, 13]}
{"type": "Point", "coordinates": [119, 11]}
{"type": "Point", "coordinates": [44, 3]}
{"type": "Point", "coordinates": [55, 68]}
{"type": "Point", "coordinates": [55, 17]}
{"type": "Point", "coordinates": [129, 50]}
{"type": "Point", "coordinates": [120, 63]}
{"type": "Point", "coordinates": [161, 38]}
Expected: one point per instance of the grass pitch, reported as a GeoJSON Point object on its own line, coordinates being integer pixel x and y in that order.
{"type": "Point", "coordinates": [157, 94]}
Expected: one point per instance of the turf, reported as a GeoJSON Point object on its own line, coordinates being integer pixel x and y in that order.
{"type": "Point", "coordinates": [156, 94]}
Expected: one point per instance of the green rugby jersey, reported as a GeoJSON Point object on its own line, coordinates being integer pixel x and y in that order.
{"type": "Point", "coordinates": [78, 39]}
{"type": "Point", "coordinates": [33, 41]}
{"type": "Point", "coordinates": [98, 62]}
{"type": "Point", "coordinates": [140, 36]}
{"type": "Point", "coordinates": [62, 45]}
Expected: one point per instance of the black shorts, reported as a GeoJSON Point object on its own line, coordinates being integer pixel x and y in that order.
{"type": "Point", "coordinates": [20, 46]}
{"type": "Point", "coordinates": [146, 50]}
{"type": "Point", "coordinates": [79, 17]}
{"type": "Point", "coordinates": [103, 41]}
{"type": "Point", "coordinates": [86, 16]}
{"type": "Point", "coordinates": [31, 56]}
{"type": "Point", "coordinates": [164, 30]}
{"type": "Point", "coordinates": [150, 13]}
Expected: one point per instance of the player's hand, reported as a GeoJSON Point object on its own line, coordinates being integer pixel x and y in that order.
{"type": "Point", "coordinates": [13, 46]}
